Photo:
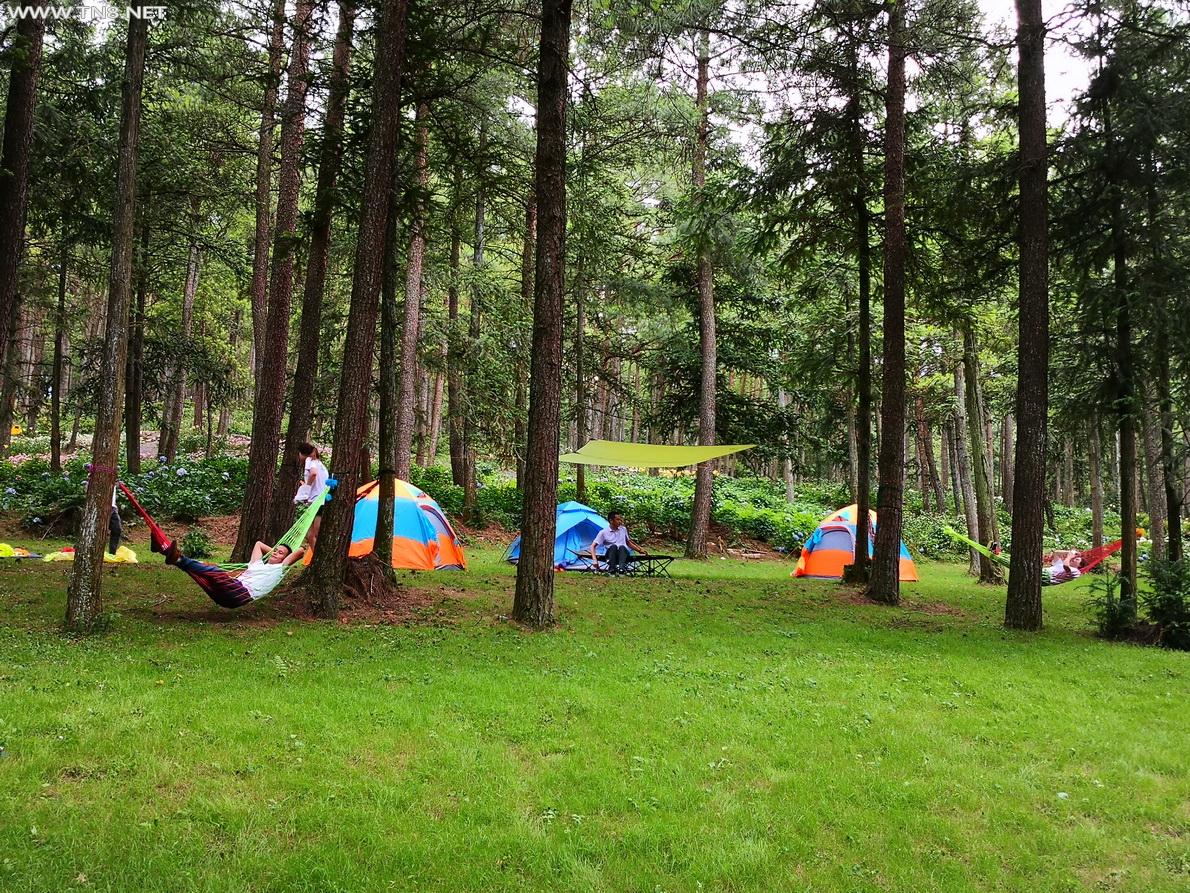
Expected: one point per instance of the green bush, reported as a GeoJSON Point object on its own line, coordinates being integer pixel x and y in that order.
{"type": "Point", "coordinates": [1167, 604]}
{"type": "Point", "coordinates": [197, 543]}
{"type": "Point", "coordinates": [1113, 617]}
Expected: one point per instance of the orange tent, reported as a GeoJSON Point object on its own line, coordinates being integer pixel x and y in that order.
{"type": "Point", "coordinates": [832, 546]}
{"type": "Point", "coordinates": [422, 536]}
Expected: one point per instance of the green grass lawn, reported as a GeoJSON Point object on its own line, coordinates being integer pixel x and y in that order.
{"type": "Point", "coordinates": [731, 729]}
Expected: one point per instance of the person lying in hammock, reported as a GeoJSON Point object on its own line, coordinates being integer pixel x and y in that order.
{"type": "Point", "coordinates": [262, 575]}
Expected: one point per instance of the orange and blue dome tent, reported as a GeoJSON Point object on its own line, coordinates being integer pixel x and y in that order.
{"type": "Point", "coordinates": [832, 546]}
{"type": "Point", "coordinates": [423, 539]}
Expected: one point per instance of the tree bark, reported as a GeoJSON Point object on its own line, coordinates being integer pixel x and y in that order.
{"type": "Point", "coordinates": [963, 465]}
{"type": "Point", "coordinates": [704, 481]}
{"type": "Point", "coordinates": [59, 350]}
{"type": "Point", "coordinates": [84, 599]}
{"type": "Point", "coordinates": [329, 567]}
{"type": "Point", "coordinates": [885, 583]}
{"type": "Point", "coordinates": [1022, 608]}
{"type": "Point", "coordinates": [474, 328]}
{"type": "Point", "coordinates": [528, 268]}
{"type": "Point", "coordinates": [989, 571]}
{"type": "Point", "coordinates": [1154, 472]}
{"type": "Point", "coordinates": [455, 411]}
{"type": "Point", "coordinates": [273, 366]}
{"type": "Point", "coordinates": [171, 420]}
{"type": "Point", "coordinates": [310, 333]}
{"type": "Point", "coordinates": [1126, 413]}
{"type": "Point", "coordinates": [926, 438]}
{"type": "Point", "coordinates": [948, 447]}
{"type": "Point", "coordinates": [1094, 458]}
{"type": "Point", "coordinates": [135, 376]}
{"type": "Point", "coordinates": [25, 65]}
{"type": "Point", "coordinates": [264, 186]}
{"type": "Point", "coordinates": [1173, 488]}
{"type": "Point", "coordinates": [1068, 473]}
{"type": "Point", "coordinates": [1006, 450]}
{"type": "Point", "coordinates": [533, 601]}
{"type": "Point", "coordinates": [384, 422]}
{"type": "Point", "coordinates": [403, 430]}
{"type": "Point", "coordinates": [581, 398]}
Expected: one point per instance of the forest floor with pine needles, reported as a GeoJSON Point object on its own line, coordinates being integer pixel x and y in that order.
{"type": "Point", "coordinates": [730, 729]}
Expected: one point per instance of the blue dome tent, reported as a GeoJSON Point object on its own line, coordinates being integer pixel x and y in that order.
{"type": "Point", "coordinates": [577, 526]}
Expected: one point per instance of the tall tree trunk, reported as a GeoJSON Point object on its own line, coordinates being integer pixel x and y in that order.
{"type": "Point", "coordinates": [885, 583]}
{"type": "Point", "coordinates": [383, 423]}
{"type": "Point", "coordinates": [581, 398]}
{"type": "Point", "coordinates": [135, 375]}
{"type": "Point", "coordinates": [59, 350]}
{"type": "Point", "coordinates": [171, 417]}
{"type": "Point", "coordinates": [1068, 472]}
{"type": "Point", "coordinates": [528, 252]}
{"type": "Point", "coordinates": [1173, 487]}
{"type": "Point", "coordinates": [435, 418]}
{"type": "Point", "coordinates": [269, 405]}
{"type": "Point", "coordinates": [224, 426]}
{"type": "Point", "coordinates": [310, 333]}
{"type": "Point", "coordinates": [1006, 451]}
{"type": "Point", "coordinates": [926, 438]}
{"type": "Point", "coordinates": [455, 411]}
{"type": "Point", "coordinates": [533, 601]}
{"type": "Point", "coordinates": [1022, 608]}
{"type": "Point", "coordinates": [264, 186]}
{"type": "Point", "coordinates": [704, 481]}
{"type": "Point", "coordinates": [403, 431]}
{"type": "Point", "coordinates": [1154, 472]}
{"type": "Point", "coordinates": [948, 449]}
{"type": "Point", "coordinates": [25, 63]}
{"type": "Point", "coordinates": [84, 598]}
{"type": "Point", "coordinates": [1126, 413]}
{"type": "Point", "coordinates": [329, 567]}
{"type": "Point", "coordinates": [963, 465]}
{"type": "Point", "coordinates": [1094, 456]}
{"type": "Point", "coordinates": [989, 571]}
{"type": "Point", "coordinates": [470, 402]}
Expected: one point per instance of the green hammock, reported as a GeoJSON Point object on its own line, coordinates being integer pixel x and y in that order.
{"type": "Point", "coordinates": [293, 537]}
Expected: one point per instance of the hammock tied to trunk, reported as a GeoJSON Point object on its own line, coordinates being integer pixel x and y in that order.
{"type": "Point", "coordinates": [1049, 577]}
{"type": "Point", "coordinates": [291, 539]}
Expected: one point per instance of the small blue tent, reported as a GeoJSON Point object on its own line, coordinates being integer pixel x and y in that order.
{"type": "Point", "coordinates": [578, 525]}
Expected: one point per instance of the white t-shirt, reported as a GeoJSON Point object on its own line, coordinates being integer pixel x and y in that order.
{"type": "Point", "coordinates": [115, 492]}
{"type": "Point", "coordinates": [260, 578]}
{"type": "Point", "coordinates": [609, 537]}
{"type": "Point", "coordinates": [307, 492]}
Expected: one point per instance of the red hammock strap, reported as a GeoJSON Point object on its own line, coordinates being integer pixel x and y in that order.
{"type": "Point", "coordinates": [1092, 557]}
{"type": "Point", "coordinates": [155, 530]}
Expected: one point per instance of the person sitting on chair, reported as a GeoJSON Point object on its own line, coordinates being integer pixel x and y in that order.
{"type": "Point", "coordinates": [618, 545]}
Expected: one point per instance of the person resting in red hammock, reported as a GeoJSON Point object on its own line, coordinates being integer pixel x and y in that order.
{"type": "Point", "coordinates": [262, 575]}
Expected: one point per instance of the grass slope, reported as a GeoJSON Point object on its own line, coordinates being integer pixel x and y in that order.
{"type": "Point", "coordinates": [730, 729]}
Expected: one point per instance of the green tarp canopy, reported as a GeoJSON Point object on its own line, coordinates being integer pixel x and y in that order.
{"type": "Point", "coordinates": [648, 455]}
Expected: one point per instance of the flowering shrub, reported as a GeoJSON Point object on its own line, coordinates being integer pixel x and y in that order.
{"type": "Point", "coordinates": [184, 491]}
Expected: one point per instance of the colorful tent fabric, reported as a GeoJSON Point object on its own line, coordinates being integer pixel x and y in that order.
{"type": "Point", "coordinates": [832, 546]}
{"type": "Point", "coordinates": [577, 526]}
{"type": "Point", "coordinates": [648, 455]}
{"type": "Point", "coordinates": [423, 539]}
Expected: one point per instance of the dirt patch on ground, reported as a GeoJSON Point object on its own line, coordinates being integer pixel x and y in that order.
{"type": "Point", "coordinates": [856, 597]}
{"type": "Point", "coordinates": [491, 535]}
